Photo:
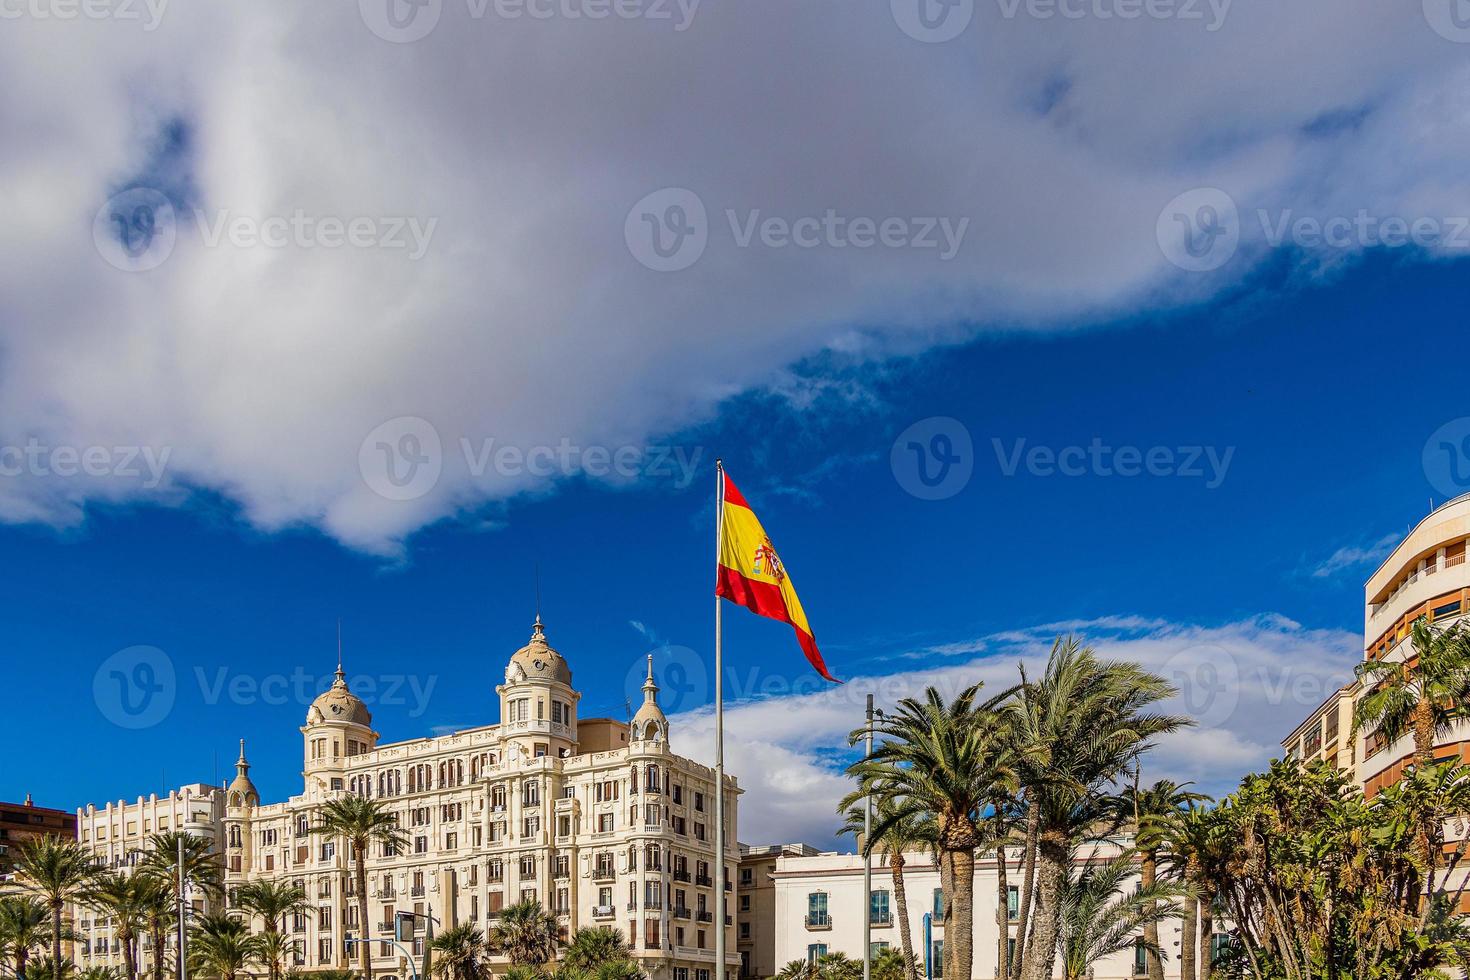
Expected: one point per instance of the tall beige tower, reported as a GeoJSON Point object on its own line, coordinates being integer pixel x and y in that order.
{"type": "Point", "coordinates": [338, 727]}
{"type": "Point", "coordinates": [538, 708]}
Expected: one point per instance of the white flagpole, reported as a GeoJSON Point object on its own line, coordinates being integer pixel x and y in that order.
{"type": "Point", "coordinates": [719, 973]}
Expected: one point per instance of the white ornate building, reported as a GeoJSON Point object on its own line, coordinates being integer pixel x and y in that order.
{"type": "Point", "coordinates": [598, 820]}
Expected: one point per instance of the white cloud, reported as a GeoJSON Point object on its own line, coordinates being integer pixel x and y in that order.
{"type": "Point", "coordinates": [1356, 556]}
{"type": "Point", "coordinates": [1247, 683]}
{"type": "Point", "coordinates": [528, 140]}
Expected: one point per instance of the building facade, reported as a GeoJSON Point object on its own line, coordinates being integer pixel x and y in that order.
{"type": "Point", "coordinates": [598, 820]}
{"type": "Point", "coordinates": [819, 909]}
{"type": "Point", "coordinates": [755, 914]}
{"type": "Point", "coordinates": [22, 821]}
{"type": "Point", "coordinates": [1425, 576]}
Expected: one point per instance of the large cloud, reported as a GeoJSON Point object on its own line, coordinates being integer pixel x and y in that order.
{"type": "Point", "coordinates": [520, 144]}
{"type": "Point", "coordinates": [1247, 684]}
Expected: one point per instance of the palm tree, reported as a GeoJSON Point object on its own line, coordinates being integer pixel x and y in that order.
{"type": "Point", "coordinates": [1423, 700]}
{"type": "Point", "coordinates": [1099, 918]}
{"type": "Point", "coordinates": [167, 856]}
{"type": "Point", "coordinates": [361, 823]}
{"type": "Point", "coordinates": [1194, 854]}
{"type": "Point", "coordinates": [462, 952]}
{"type": "Point", "coordinates": [526, 933]}
{"type": "Point", "coordinates": [221, 946]}
{"type": "Point", "coordinates": [159, 915]}
{"type": "Point", "coordinates": [592, 947]}
{"type": "Point", "coordinates": [125, 899]}
{"type": "Point", "coordinates": [796, 970]}
{"type": "Point", "coordinates": [50, 968]}
{"type": "Point", "coordinates": [25, 924]}
{"type": "Point", "coordinates": [272, 901]}
{"type": "Point", "coordinates": [903, 833]}
{"type": "Point", "coordinates": [1151, 811]}
{"type": "Point", "coordinates": [890, 964]}
{"type": "Point", "coordinates": [945, 760]}
{"type": "Point", "coordinates": [274, 949]}
{"type": "Point", "coordinates": [96, 973]}
{"type": "Point", "coordinates": [1084, 720]}
{"type": "Point", "coordinates": [838, 966]}
{"type": "Point", "coordinates": [56, 870]}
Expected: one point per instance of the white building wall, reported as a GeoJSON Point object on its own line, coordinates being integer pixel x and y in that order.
{"type": "Point", "coordinates": [840, 876]}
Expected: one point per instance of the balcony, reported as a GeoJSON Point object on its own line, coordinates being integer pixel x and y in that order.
{"type": "Point", "coordinates": [681, 912]}
{"type": "Point", "coordinates": [681, 876]}
{"type": "Point", "coordinates": [704, 917]}
{"type": "Point", "coordinates": [603, 911]}
{"type": "Point", "coordinates": [881, 920]}
{"type": "Point", "coordinates": [703, 881]}
{"type": "Point", "coordinates": [819, 921]}
{"type": "Point", "coordinates": [385, 927]}
{"type": "Point", "coordinates": [603, 874]}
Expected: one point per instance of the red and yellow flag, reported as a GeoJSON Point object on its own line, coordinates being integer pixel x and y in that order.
{"type": "Point", "coordinates": [751, 574]}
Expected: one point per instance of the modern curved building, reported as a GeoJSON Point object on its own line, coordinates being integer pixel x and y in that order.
{"type": "Point", "coordinates": [1425, 575]}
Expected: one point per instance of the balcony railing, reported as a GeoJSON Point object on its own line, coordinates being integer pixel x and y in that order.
{"type": "Point", "coordinates": [681, 912]}
{"type": "Point", "coordinates": [681, 876]}
{"type": "Point", "coordinates": [704, 917]}
{"type": "Point", "coordinates": [703, 881]}
{"type": "Point", "coordinates": [603, 911]}
{"type": "Point", "coordinates": [603, 874]}
{"type": "Point", "coordinates": [880, 919]}
{"type": "Point", "coordinates": [819, 920]}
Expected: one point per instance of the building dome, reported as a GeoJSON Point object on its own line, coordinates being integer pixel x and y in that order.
{"type": "Point", "coordinates": [337, 703]}
{"type": "Point", "coordinates": [537, 661]}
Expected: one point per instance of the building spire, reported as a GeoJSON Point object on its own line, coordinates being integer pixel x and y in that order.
{"type": "Point", "coordinates": [341, 677]}
{"type": "Point", "coordinates": [650, 687]}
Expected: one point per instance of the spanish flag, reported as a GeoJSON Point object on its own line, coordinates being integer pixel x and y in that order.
{"type": "Point", "coordinates": [751, 573]}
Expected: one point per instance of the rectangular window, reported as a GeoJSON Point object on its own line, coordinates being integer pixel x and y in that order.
{"type": "Point", "coordinates": [1140, 959]}
{"type": "Point", "coordinates": [878, 908]}
{"type": "Point", "coordinates": [936, 958]}
{"type": "Point", "coordinates": [816, 910]}
{"type": "Point", "coordinates": [1013, 903]}
{"type": "Point", "coordinates": [814, 952]}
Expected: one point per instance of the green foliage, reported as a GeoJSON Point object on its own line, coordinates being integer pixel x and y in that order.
{"type": "Point", "coordinates": [460, 953]}
{"type": "Point", "coordinates": [526, 933]}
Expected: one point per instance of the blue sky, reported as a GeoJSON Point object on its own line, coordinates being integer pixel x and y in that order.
{"type": "Point", "coordinates": [321, 311]}
{"type": "Point", "coordinates": [1327, 430]}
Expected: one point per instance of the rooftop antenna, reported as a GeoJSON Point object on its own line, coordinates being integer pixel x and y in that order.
{"type": "Point", "coordinates": [536, 567]}
{"type": "Point", "coordinates": [339, 646]}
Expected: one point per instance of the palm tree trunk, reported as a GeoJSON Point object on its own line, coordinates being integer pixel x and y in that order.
{"type": "Point", "coordinates": [959, 915]}
{"type": "Point", "coordinates": [56, 905]}
{"type": "Point", "coordinates": [1028, 882]}
{"type": "Point", "coordinates": [1206, 935]}
{"type": "Point", "coordinates": [155, 940]}
{"type": "Point", "coordinates": [901, 901]}
{"type": "Point", "coordinates": [130, 954]}
{"type": "Point", "coordinates": [364, 948]}
{"type": "Point", "coordinates": [1003, 891]}
{"type": "Point", "coordinates": [1051, 866]}
{"type": "Point", "coordinates": [1187, 924]}
{"type": "Point", "coordinates": [1148, 873]}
